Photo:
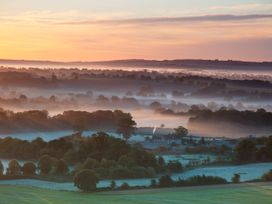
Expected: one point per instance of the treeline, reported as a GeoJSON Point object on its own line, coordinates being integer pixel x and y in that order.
{"type": "Point", "coordinates": [254, 150]}
{"type": "Point", "coordinates": [39, 120]}
{"type": "Point", "coordinates": [249, 118]}
{"type": "Point", "coordinates": [108, 157]}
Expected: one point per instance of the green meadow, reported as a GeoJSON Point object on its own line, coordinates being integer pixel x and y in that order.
{"type": "Point", "coordinates": [255, 193]}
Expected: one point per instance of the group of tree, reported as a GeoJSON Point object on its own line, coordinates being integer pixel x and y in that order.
{"type": "Point", "coordinates": [45, 165]}
{"type": "Point", "coordinates": [254, 149]}
{"type": "Point", "coordinates": [259, 118]}
{"type": "Point", "coordinates": [167, 181]}
{"type": "Point", "coordinates": [107, 156]}
{"type": "Point", "coordinates": [15, 169]}
{"type": "Point", "coordinates": [39, 120]}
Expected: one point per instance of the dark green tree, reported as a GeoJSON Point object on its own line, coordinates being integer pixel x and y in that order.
{"type": "Point", "coordinates": [181, 131]}
{"type": "Point", "coordinates": [86, 180]}
{"type": "Point", "coordinates": [165, 181]}
{"type": "Point", "coordinates": [245, 151]}
{"type": "Point", "coordinates": [126, 127]}
{"type": "Point", "coordinates": [235, 178]}
{"type": "Point", "coordinates": [124, 186]}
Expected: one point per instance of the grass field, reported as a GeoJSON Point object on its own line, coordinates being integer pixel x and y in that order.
{"type": "Point", "coordinates": [257, 193]}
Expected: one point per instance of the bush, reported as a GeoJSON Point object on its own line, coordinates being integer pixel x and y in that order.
{"type": "Point", "coordinates": [86, 180]}
{"type": "Point", "coordinates": [205, 180]}
{"type": "Point", "coordinates": [124, 186]}
{"type": "Point", "coordinates": [235, 178]}
{"type": "Point", "coordinates": [267, 176]}
{"type": "Point", "coordinates": [29, 168]}
{"type": "Point", "coordinates": [166, 181]}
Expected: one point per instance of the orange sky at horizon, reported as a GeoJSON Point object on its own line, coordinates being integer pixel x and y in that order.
{"type": "Point", "coordinates": [53, 36]}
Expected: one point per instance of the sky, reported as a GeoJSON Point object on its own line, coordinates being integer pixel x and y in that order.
{"type": "Point", "coordinates": [91, 30]}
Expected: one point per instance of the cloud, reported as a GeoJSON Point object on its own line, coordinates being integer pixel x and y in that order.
{"type": "Point", "coordinates": [261, 7]}
{"type": "Point", "coordinates": [152, 20]}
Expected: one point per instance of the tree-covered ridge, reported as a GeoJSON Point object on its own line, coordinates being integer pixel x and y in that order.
{"type": "Point", "coordinates": [40, 120]}
{"type": "Point", "coordinates": [249, 118]}
{"type": "Point", "coordinates": [107, 156]}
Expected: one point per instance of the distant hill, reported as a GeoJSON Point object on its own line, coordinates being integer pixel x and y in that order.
{"type": "Point", "coordinates": [179, 63]}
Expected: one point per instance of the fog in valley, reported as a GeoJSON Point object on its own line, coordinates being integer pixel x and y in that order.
{"type": "Point", "coordinates": [155, 98]}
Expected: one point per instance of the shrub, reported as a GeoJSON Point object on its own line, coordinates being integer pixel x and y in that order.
{"type": "Point", "coordinates": [165, 181]}
{"type": "Point", "coordinates": [124, 186]}
{"type": "Point", "coordinates": [86, 180]}
{"type": "Point", "coordinates": [235, 178]}
{"type": "Point", "coordinates": [267, 176]}
{"type": "Point", "coordinates": [205, 180]}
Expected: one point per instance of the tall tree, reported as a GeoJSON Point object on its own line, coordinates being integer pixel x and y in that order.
{"type": "Point", "coordinates": [126, 127]}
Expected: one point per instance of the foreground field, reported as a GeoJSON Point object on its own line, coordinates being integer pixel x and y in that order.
{"type": "Point", "coordinates": [235, 194]}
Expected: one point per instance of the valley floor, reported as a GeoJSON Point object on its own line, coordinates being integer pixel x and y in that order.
{"type": "Point", "coordinates": [250, 193]}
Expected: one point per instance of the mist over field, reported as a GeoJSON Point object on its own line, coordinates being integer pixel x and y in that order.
{"type": "Point", "coordinates": [154, 95]}
{"type": "Point", "coordinates": [135, 101]}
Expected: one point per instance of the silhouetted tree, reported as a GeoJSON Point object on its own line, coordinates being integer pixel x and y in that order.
{"type": "Point", "coordinates": [45, 164]}
{"type": "Point", "coordinates": [126, 127]}
{"type": "Point", "coordinates": [86, 180]}
{"type": "Point", "coordinates": [181, 131]}
{"type": "Point", "coordinates": [235, 178]}
{"type": "Point", "coordinates": [245, 150]}
{"type": "Point", "coordinates": [13, 168]}
{"type": "Point", "coordinates": [29, 168]}
{"type": "Point", "coordinates": [165, 181]}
